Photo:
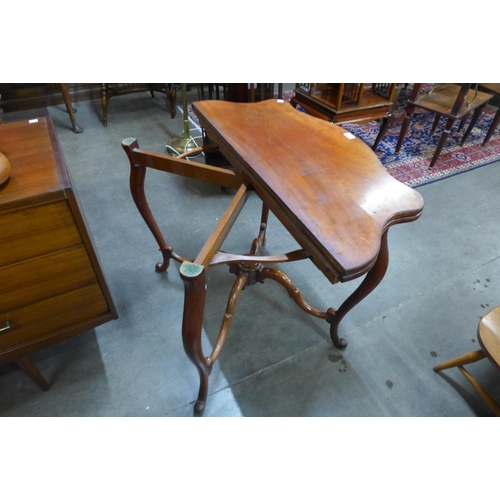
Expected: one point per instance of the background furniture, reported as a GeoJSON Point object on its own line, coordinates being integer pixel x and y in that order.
{"type": "Point", "coordinates": [51, 283]}
{"type": "Point", "coordinates": [348, 102]}
{"type": "Point", "coordinates": [110, 90]}
{"type": "Point", "coordinates": [18, 96]}
{"type": "Point", "coordinates": [488, 335]}
{"type": "Point", "coordinates": [453, 101]}
{"type": "Point", "coordinates": [14, 96]}
{"type": "Point", "coordinates": [69, 107]}
{"type": "Point", "coordinates": [494, 89]}
{"type": "Point", "coordinates": [239, 92]}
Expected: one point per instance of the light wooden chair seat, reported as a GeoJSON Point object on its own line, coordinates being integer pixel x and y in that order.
{"type": "Point", "coordinates": [488, 335]}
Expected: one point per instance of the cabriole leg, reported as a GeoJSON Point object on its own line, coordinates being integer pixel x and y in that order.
{"type": "Point", "coordinates": [137, 177]}
{"type": "Point", "coordinates": [193, 276]}
{"type": "Point", "coordinates": [371, 281]}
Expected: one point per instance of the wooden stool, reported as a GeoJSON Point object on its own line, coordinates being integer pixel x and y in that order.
{"type": "Point", "coordinates": [488, 335]}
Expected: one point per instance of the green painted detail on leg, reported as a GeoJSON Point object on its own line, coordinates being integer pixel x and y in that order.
{"type": "Point", "coordinates": [129, 141]}
{"type": "Point", "coordinates": [191, 270]}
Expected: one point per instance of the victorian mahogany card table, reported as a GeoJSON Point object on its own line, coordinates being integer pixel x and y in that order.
{"type": "Point", "coordinates": [327, 188]}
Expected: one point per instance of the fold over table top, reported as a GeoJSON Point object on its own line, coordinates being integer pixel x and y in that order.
{"type": "Point", "coordinates": [330, 192]}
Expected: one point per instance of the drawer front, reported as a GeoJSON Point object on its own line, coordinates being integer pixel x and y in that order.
{"type": "Point", "coordinates": [46, 276]}
{"type": "Point", "coordinates": [35, 231]}
{"type": "Point", "coordinates": [50, 315]}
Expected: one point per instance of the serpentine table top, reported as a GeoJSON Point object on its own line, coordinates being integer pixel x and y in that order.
{"type": "Point", "coordinates": [327, 187]}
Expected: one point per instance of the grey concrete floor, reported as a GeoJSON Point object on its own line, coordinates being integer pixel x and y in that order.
{"type": "Point", "coordinates": [443, 276]}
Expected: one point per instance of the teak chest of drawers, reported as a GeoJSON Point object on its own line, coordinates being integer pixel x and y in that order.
{"type": "Point", "coordinates": [51, 283]}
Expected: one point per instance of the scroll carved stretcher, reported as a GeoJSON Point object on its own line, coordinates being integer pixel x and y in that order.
{"type": "Point", "coordinates": [331, 193]}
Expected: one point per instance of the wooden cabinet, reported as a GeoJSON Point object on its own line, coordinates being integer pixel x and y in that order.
{"type": "Point", "coordinates": [51, 282]}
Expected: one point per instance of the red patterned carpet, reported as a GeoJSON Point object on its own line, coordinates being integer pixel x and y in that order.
{"type": "Point", "coordinates": [411, 164]}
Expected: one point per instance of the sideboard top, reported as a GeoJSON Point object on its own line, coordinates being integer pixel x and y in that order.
{"type": "Point", "coordinates": [38, 172]}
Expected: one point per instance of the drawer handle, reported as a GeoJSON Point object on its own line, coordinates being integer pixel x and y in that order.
{"type": "Point", "coordinates": [5, 327]}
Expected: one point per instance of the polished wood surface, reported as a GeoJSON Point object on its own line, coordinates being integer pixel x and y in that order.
{"type": "Point", "coordinates": [36, 167]}
{"type": "Point", "coordinates": [331, 193]}
{"type": "Point", "coordinates": [308, 170]}
{"type": "Point", "coordinates": [488, 335]}
{"type": "Point", "coordinates": [51, 283]}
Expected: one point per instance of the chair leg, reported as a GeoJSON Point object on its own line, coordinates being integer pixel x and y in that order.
{"type": "Point", "coordinates": [465, 359]}
{"type": "Point", "coordinates": [492, 128]}
{"type": "Point", "coordinates": [172, 97]}
{"type": "Point", "coordinates": [69, 107]}
{"type": "Point", "coordinates": [104, 101]}
{"type": "Point", "coordinates": [494, 406]}
{"type": "Point", "coordinates": [442, 141]}
{"type": "Point", "coordinates": [475, 116]}
{"type": "Point", "coordinates": [404, 128]}
{"type": "Point", "coordinates": [462, 122]}
{"type": "Point", "coordinates": [383, 130]}
{"type": "Point", "coordinates": [435, 123]}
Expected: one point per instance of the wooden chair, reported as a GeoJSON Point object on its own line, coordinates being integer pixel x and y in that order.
{"type": "Point", "coordinates": [494, 89]}
{"type": "Point", "coordinates": [488, 335]}
{"type": "Point", "coordinates": [349, 102]}
{"type": "Point", "coordinates": [454, 101]}
{"type": "Point", "coordinates": [110, 90]}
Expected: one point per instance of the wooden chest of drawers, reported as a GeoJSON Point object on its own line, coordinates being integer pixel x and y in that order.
{"type": "Point", "coordinates": [51, 283]}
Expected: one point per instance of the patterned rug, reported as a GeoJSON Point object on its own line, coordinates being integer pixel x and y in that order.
{"type": "Point", "coordinates": [410, 165]}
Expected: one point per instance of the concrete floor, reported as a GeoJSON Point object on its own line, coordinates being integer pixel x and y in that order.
{"type": "Point", "coordinates": [443, 276]}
